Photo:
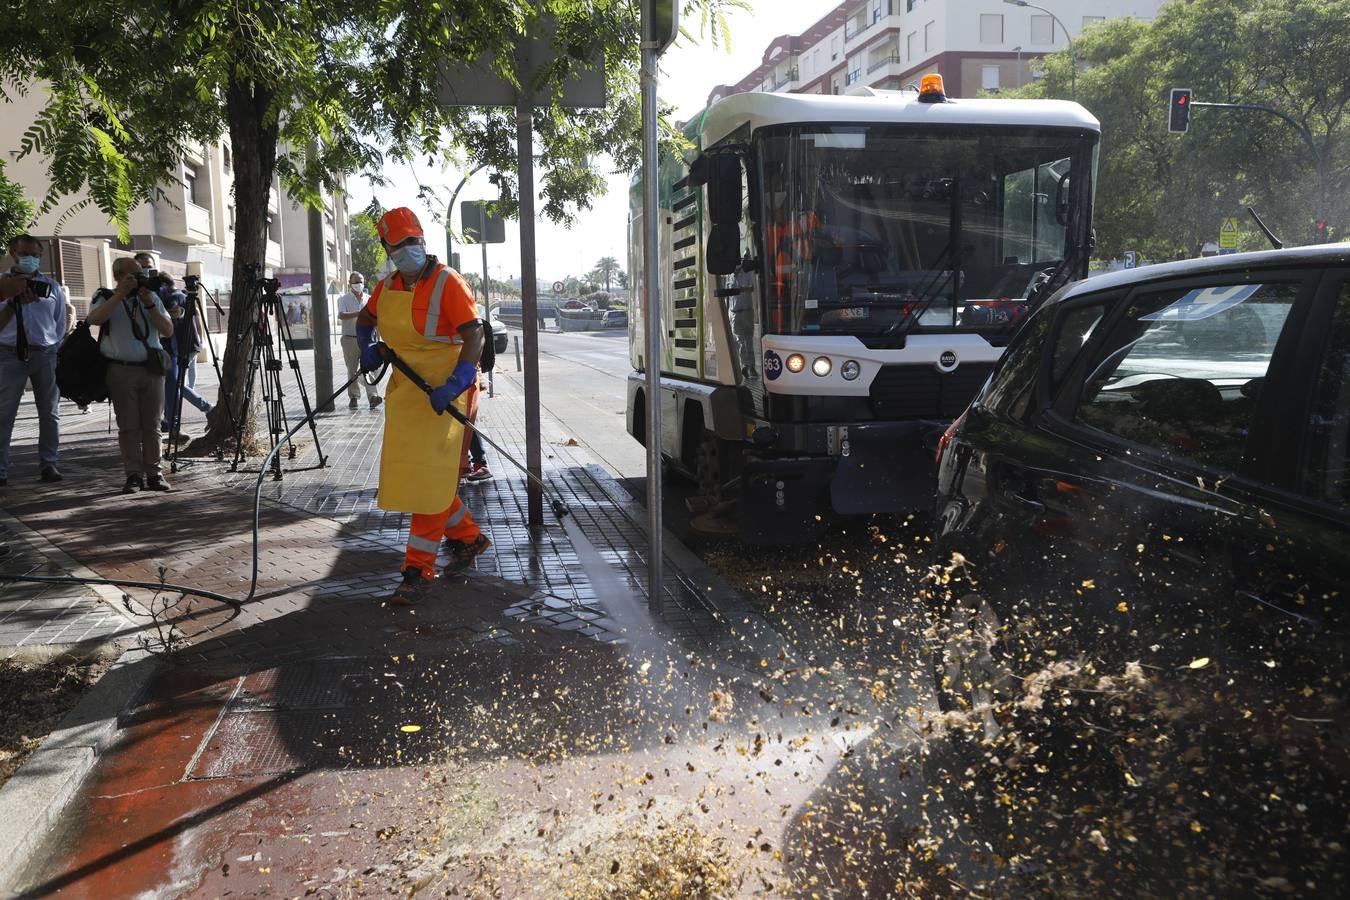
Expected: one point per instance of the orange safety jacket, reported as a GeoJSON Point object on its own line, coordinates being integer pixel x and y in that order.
{"type": "Point", "coordinates": [442, 303]}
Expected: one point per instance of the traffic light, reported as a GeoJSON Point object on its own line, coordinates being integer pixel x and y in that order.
{"type": "Point", "coordinates": [1179, 111]}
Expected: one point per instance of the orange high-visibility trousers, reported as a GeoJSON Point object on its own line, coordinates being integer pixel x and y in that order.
{"type": "Point", "coordinates": [424, 536]}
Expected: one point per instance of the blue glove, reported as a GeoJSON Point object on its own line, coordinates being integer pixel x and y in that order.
{"type": "Point", "coordinates": [464, 376]}
{"type": "Point", "coordinates": [371, 358]}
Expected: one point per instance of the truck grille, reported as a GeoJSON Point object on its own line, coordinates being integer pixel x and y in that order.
{"type": "Point", "coordinates": [922, 392]}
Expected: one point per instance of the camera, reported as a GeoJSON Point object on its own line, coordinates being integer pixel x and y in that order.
{"type": "Point", "coordinates": [147, 278]}
{"type": "Point", "coordinates": [40, 289]}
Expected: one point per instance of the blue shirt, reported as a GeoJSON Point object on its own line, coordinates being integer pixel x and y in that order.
{"type": "Point", "coordinates": [44, 321]}
{"type": "Point", "coordinates": [116, 338]}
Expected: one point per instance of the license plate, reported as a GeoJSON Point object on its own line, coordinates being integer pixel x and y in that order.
{"type": "Point", "coordinates": [855, 312]}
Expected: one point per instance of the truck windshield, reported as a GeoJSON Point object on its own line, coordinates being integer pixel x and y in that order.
{"type": "Point", "coordinates": [879, 231]}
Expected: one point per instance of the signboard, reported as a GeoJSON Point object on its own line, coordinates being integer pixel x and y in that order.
{"type": "Point", "coordinates": [1202, 303]}
{"type": "Point", "coordinates": [558, 287]}
{"type": "Point", "coordinates": [1227, 250]}
{"type": "Point", "coordinates": [479, 226]}
{"type": "Point", "coordinates": [665, 22]}
{"type": "Point", "coordinates": [1130, 258]}
{"type": "Point", "coordinates": [1228, 234]}
{"type": "Point", "coordinates": [480, 83]}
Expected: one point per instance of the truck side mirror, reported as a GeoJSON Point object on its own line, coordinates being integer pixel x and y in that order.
{"type": "Point", "coordinates": [725, 202]}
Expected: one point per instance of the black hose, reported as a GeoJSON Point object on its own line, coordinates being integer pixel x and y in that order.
{"type": "Point", "coordinates": [257, 516]}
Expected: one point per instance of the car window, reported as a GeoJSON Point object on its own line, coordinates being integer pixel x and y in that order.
{"type": "Point", "coordinates": [1325, 468]}
{"type": "Point", "coordinates": [1182, 369]}
{"type": "Point", "coordinates": [1072, 331]}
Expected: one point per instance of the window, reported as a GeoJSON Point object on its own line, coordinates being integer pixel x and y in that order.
{"type": "Point", "coordinates": [1325, 467]}
{"type": "Point", "coordinates": [1042, 30]}
{"type": "Point", "coordinates": [909, 45]}
{"type": "Point", "coordinates": [190, 182]}
{"type": "Point", "coordinates": [1181, 371]}
{"type": "Point", "coordinates": [1074, 327]}
{"type": "Point", "coordinates": [989, 78]}
{"type": "Point", "coordinates": [877, 12]}
{"type": "Point", "coordinates": [991, 29]}
{"type": "Point", "coordinates": [1092, 20]}
{"type": "Point", "coordinates": [834, 48]}
{"type": "Point", "coordinates": [227, 158]}
{"type": "Point", "coordinates": [928, 38]}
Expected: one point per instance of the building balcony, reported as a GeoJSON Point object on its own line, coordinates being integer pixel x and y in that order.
{"type": "Point", "coordinates": [273, 260]}
{"type": "Point", "coordinates": [786, 80]}
{"type": "Point", "coordinates": [854, 77]}
{"type": "Point", "coordinates": [274, 201]}
{"type": "Point", "coordinates": [179, 219]}
{"type": "Point", "coordinates": [853, 30]}
{"type": "Point", "coordinates": [884, 62]}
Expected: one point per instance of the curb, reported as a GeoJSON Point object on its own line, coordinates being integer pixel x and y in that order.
{"type": "Point", "coordinates": [727, 603]}
{"type": "Point", "coordinates": [34, 798]}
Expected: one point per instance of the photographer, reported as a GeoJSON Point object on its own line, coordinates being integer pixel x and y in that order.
{"type": "Point", "coordinates": [32, 326]}
{"type": "Point", "coordinates": [183, 347]}
{"type": "Point", "coordinates": [134, 322]}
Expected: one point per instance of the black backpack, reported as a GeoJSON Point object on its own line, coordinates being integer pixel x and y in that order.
{"type": "Point", "coordinates": [81, 370]}
{"type": "Point", "coordinates": [489, 357]}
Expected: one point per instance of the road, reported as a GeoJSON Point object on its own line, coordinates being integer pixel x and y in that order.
{"type": "Point", "coordinates": [582, 382]}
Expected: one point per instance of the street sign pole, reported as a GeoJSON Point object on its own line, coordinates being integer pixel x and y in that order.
{"type": "Point", "coordinates": [651, 307]}
{"type": "Point", "coordinates": [529, 307]}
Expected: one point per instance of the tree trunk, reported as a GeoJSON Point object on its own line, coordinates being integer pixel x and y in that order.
{"type": "Point", "coordinates": [253, 143]}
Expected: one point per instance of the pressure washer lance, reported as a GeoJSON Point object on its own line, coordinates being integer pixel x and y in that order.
{"type": "Point", "coordinates": [387, 353]}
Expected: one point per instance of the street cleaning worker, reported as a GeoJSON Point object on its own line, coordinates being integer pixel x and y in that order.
{"type": "Point", "coordinates": [425, 313]}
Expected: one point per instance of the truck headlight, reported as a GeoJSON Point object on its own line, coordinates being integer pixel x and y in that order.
{"type": "Point", "coordinates": [796, 362]}
{"type": "Point", "coordinates": [850, 370]}
{"type": "Point", "coordinates": [821, 366]}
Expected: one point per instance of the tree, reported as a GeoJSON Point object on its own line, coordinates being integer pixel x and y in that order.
{"type": "Point", "coordinates": [605, 270]}
{"type": "Point", "coordinates": [622, 279]}
{"type": "Point", "coordinates": [306, 89]}
{"type": "Point", "coordinates": [1164, 194]}
{"type": "Point", "coordinates": [15, 210]}
{"type": "Point", "coordinates": [367, 251]}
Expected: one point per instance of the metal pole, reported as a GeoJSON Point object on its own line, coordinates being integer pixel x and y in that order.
{"type": "Point", "coordinates": [487, 285]}
{"type": "Point", "coordinates": [318, 296]}
{"type": "Point", "coordinates": [651, 310]}
{"type": "Point", "coordinates": [529, 303]}
{"type": "Point", "coordinates": [450, 211]}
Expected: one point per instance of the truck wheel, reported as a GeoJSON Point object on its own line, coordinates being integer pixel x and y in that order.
{"type": "Point", "coordinates": [709, 469]}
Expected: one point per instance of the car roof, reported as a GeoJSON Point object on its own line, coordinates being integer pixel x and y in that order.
{"type": "Point", "coordinates": [1291, 257]}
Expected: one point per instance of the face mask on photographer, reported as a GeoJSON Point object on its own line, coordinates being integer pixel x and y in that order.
{"type": "Point", "coordinates": [409, 259]}
{"type": "Point", "coordinates": [28, 265]}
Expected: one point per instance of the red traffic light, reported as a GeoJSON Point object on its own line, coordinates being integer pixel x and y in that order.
{"type": "Point", "coordinates": [1179, 111]}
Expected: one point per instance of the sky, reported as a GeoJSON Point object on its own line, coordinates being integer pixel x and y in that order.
{"type": "Point", "coordinates": [688, 74]}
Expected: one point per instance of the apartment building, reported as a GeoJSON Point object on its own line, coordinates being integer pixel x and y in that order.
{"type": "Point", "coordinates": [976, 45]}
{"type": "Point", "coordinates": [193, 221]}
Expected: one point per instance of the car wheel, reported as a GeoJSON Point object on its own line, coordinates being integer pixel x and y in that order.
{"type": "Point", "coordinates": [971, 673]}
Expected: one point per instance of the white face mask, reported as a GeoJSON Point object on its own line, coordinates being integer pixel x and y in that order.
{"type": "Point", "coordinates": [358, 288]}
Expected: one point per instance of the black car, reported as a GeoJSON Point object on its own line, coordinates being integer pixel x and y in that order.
{"type": "Point", "coordinates": [1144, 523]}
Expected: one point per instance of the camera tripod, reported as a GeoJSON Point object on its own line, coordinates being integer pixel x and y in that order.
{"type": "Point", "coordinates": [264, 365]}
{"type": "Point", "coordinates": [174, 401]}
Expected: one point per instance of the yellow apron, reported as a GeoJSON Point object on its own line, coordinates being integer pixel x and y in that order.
{"type": "Point", "coordinates": [419, 460]}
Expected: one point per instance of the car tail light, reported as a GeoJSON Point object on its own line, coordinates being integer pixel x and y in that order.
{"type": "Point", "coordinates": [948, 434]}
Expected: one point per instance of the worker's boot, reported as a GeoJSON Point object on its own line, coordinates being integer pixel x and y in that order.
{"type": "Point", "coordinates": [462, 555]}
{"type": "Point", "coordinates": [414, 588]}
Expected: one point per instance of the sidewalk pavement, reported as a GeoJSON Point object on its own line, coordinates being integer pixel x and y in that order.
{"type": "Point", "coordinates": [318, 740]}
